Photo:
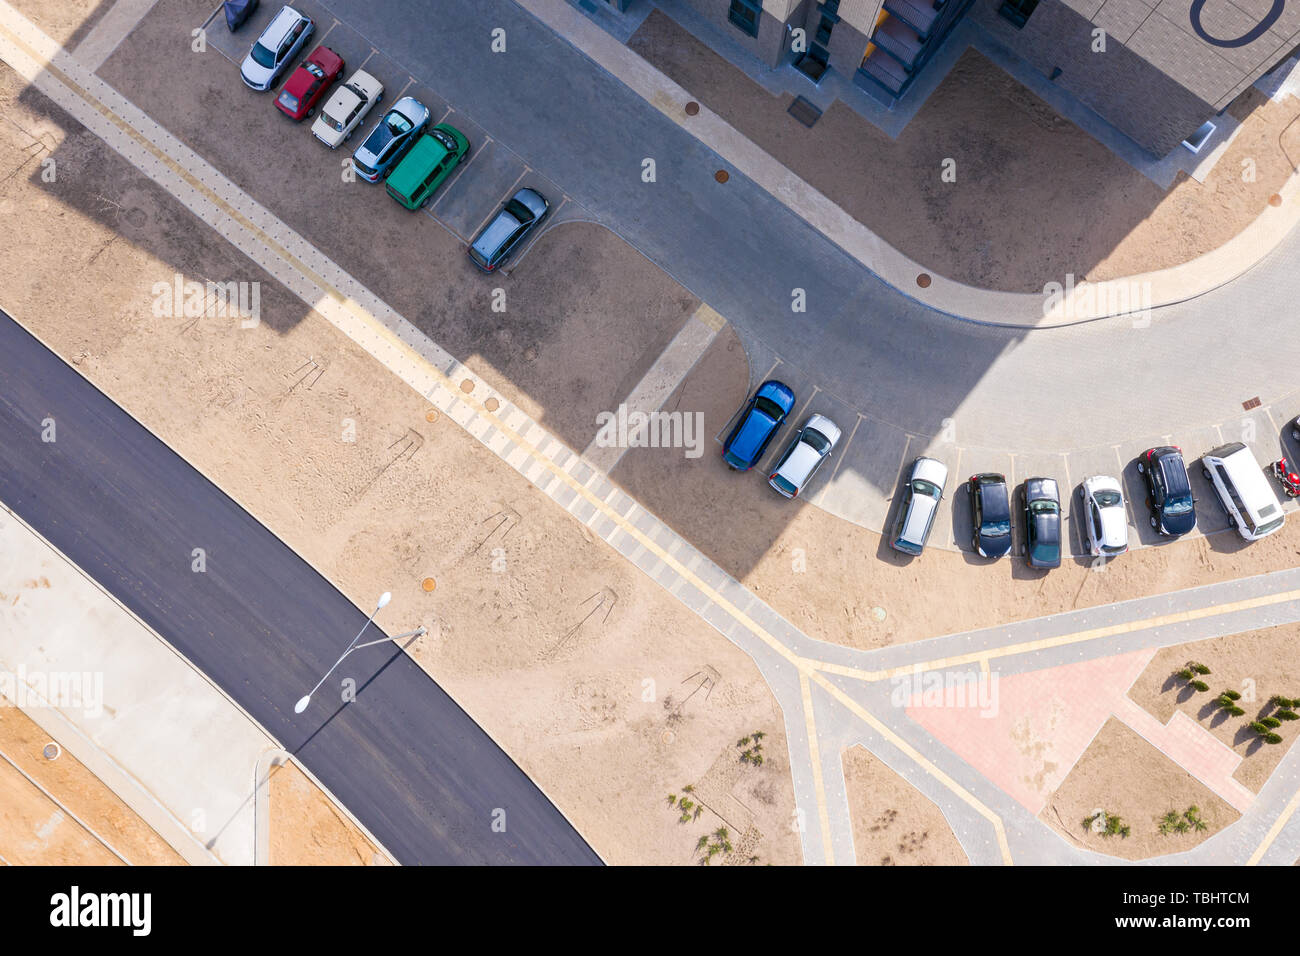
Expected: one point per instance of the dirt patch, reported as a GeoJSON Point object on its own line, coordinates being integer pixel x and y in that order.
{"type": "Point", "coordinates": [307, 829]}
{"type": "Point", "coordinates": [1257, 664]}
{"type": "Point", "coordinates": [894, 824]}
{"type": "Point", "coordinates": [1125, 776]}
{"type": "Point", "coordinates": [35, 830]}
{"type": "Point", "coordinates": [349, 472]}
{"type": "Point", "coordinates": [1035, 198]}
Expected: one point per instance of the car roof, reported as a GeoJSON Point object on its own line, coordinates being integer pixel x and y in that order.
{"type": "Point", "coordinates": [824, 425]}
{"type": "Point", "coordinates": [919, 510]}
{"type": "Point", "coordinates": [1114, 525]}
{"type": "Point", "coordinates": [496, 232]}
{"type": "Point", "coordinates": [415, 165]}
{"type": "Point", "coordinates": [778, 392]}
{"type": "Point", "coordinates": [930, 469]}
{"type": "Point", "coordinates": [281, 24]}
{"type": "Point", "coordinates": [753, 430]}
{"type": "Point", "coordinates": [328, 60]}
{"type": "Point", "coordinates": [803, 459]}
{"type": "Point", "coordinates": [534, 201]}
{"type": "Point", "coordinates": [1040, 488]}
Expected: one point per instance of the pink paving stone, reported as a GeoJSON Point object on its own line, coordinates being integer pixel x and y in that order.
{"type": "Point", "coordinates": [1042, 723]}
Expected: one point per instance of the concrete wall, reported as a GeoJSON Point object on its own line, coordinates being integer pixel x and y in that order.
{"type": "Point", "coordinates": [773, 39]}
{"type": "Point", "coordinates": [848, 42]}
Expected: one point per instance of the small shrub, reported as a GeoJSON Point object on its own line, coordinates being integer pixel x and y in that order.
{"type": "Point", "coordinates": [1231, 695]}
{"type": "Point", "coordinates": [1200, 685]}
{"type": "Point", "coordinates": [1287, 715]}
{"type": "Point", "coordinates": [1271, 722]}
{"type": "Point", "coordinates": [1272, 738]}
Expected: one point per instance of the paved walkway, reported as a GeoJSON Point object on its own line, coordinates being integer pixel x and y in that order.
{"type": "Point", "coordinates": [1096, 300]}
{"type": "Point", "coordinates": [166, 740]}
{"type": "Point", "coordinates": [831, 697]}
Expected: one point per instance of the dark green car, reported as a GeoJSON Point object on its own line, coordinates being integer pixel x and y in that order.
{"type": "Point", "coordinates": [427, 165]}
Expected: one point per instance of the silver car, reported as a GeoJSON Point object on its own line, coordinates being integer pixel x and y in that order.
{"type": "Point", "coordinates": [920, 504]}
{"type": "Point", "coordinates": [277, 47]}
{"type": "Point", "coordinates": [390, 139]}
{"type": "Point", "coordinates": [810, 447]}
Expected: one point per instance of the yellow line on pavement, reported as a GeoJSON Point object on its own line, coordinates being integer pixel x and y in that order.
{"type": "Point", "coordinates": [1274, 830]}
{"type": "Point", "coordinates": [814, 755]}
{"type": "Point", "coordinates": [1092, 634]}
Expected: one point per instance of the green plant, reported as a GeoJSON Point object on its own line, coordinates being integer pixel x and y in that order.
{"type": "Point", "coordinates": [1287, 715]}
{"type": "Point", "coordinates": [1113, 825]}
{"type": "Point", "coordinates": [1199, 685]}
{"type": "Point", "coordinates": [1199, 668]}
{"type": "Point", "coordinates": [1232, 695]}
{"type": "Point", "coordinates": [1271, 722]}
{"type": "Point", "coordinates": [1235, 711]}
{"type": "Point", "coordinates": [1185, 673]}
{"type": "Point", "coordinates": [1272, 738]}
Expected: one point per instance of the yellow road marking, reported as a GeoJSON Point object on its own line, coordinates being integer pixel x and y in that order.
{"type": "Point", "coordinates": [814, 755]}
{"type": "Point", "coordinates": [1274, 830]}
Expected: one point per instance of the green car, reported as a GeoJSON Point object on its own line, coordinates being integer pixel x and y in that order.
{"type": "Point", "coordinates": [427, 165]}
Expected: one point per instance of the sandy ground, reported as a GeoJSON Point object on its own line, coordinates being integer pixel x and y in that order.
{"type": "Point", "coordinates": [598, 719]}
{"type": "Point", "coordinates": [894, 825]}
{"type": "Point", "coordinates": [1259, 664]}
{"type": "Point", "coordinates": [307, 829]}
{"type": "Point", "coordinates": [1035, 197]}
{"type": "Point", "coordinates": [37, 830]}
{"type": "Point", "coordinates": [1124, 775]}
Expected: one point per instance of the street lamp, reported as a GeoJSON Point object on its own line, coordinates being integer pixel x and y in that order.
{"type": "Point", "coordinates": [384, 598]}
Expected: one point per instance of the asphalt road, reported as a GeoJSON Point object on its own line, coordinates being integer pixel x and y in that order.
{"type": "Point", "coordinates": [874, 349]}
{"type": "Point", "coordinates": [262, 624]}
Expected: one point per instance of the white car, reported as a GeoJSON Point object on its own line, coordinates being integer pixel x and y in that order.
{"type": "Point", "coordinates": [1105, 518]}
{"type": "Point", "coordinates": [920, 504]}
{"type": "Point", "coordinates": [810, 447]}
{"type": "Point", "coordinates": [347, 108]}
{"type": "Point", "coordinates": [282, 40]}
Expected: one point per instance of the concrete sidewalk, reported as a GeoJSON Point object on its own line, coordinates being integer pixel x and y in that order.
{"type": "Point", "coordinates": [178, 752]}
{"type": "Point", "coordinates": [1082, 303]}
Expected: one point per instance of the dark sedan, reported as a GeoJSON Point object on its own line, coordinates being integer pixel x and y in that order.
{"type": "Point", "coordinates": [759, 420]}
{"type": "Point", "coordinates": [990, 515]}
{"type": "Point", "coordinates": [1173, 510]}
{"type": "Point", "coordinates": [1042, 500]}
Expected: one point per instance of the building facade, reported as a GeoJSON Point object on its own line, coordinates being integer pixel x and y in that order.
{"type": "Point", "coordinates": [1155, 69]}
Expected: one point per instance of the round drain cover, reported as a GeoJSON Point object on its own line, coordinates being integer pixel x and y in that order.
{"type": "Point", "coordinates": [878, 613]}
{"type": "Point", "coordinates": [692, 108]}
{"type": "Point", "coordinates": [52, 751]}
{"type": "Point", "coordinates": [722, 175]}
{"type": "Point", "coordinates": [428, 584]}
{"type": "Point", "coordinates": [491, 404]}
{"type": "Point", "coordinates": [923, 280]}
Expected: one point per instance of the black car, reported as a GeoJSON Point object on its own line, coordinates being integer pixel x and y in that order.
{"type": "Point", "coordinates": [1173, 510]}
{"type": "Point", "coordinates": [1042, 500]}
{"type": "Point", "coordinates": [990, 515]}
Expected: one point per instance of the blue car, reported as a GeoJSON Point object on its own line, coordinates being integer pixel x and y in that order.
{"type": "Point", "coordinates": [761, 418]}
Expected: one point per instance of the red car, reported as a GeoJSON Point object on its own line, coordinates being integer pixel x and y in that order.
{"type": "Point", "coordinates": [309, 82]}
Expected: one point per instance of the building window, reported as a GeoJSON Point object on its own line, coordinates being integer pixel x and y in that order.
{"type": "Point", "coordinates": [745, 14]}
{"type": "Point", "coordinates": [1018, 11]}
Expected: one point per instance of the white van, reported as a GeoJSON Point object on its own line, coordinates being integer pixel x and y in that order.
{"type": "Point", "coordinates": [1246, 495]}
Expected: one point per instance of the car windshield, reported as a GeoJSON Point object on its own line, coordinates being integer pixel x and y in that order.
{"type": "Point", "coordinates": [784, 484]}
{"type": "Point", "coordinates": [1113, 548]}
{"type": "Point", "coordinates": [923, 487]}
{"type": "Point", "coordinates": [768, 407]}
{"type": "Point", "coordinates": [817, 440]}
{"type": "Point", "coordinates": [1269, 527]}
{"type": "Point", "coordinates": [995, 529]}
{"type": "Point", "coordinates": [332, 123]}
{"type": "Point", "coordinates": [262, 56]}
{"type": "Point", "coordinates": [1046, 551]}
{"type": "Point", "coordinates": [1107, 498]}
{"type": "Point", "coordinates": [444, 138]}
{"type": "Point", "coordinates": [398, 123]}
{"type": "Point", "coordinates": [519, 211]}
{"type": "Point", "coordinates": [1042, 507]}
{"type": "Point", "coordinates": [315, 71]}
{"type": "Point", "coordinates": [1179, 506]}
{"type": "Point", "coordinates": [289, 101]}
{"type": "Point", "coordinates": [362, 167]}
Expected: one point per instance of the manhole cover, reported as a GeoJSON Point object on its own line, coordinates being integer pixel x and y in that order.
{"type": "Point", "coordinates": [428, 584]}
{"type": "Point", "coordinates": [692, 108]}
{"type": "Point", "coordinates": [1275, 200]}
{"type": "Point", "coordinates": [431, 416]}
{"type": "Point", "coordinates": [467, 386]}
{"type": "Point", "coordinates": [491, 404]}
{"type": "Point", "coordinates": [878, 613]}
{"type": "Point", "coordinates": [923, 280]}
{"type": "Point", "coordinates": [722, 175]}
{"type": "Point", "coordinates": [51, 751]}
{"type": "Point", "coordinates": [668, 737]}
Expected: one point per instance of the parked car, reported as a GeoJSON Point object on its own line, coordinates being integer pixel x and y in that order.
{"type": "Point", "coordinates": [990, 515]}
{"type": "Point", "coordinates": [283, 39]}
{"type": "Point", "coordinates": [303, 90]}
{"type": "Point", "coordinates": [921, 497]}
{"type": "Point", "coordinates": [427, 165]}
{"type": "Point", "coordinates": [392, 136]}
{"type": "Point", "coordinates": [810, 447]}
{"type": "Point", "coordinates": [346, 108]}
{"type": "Point", "coordinates": [1243, 491]}
{"type": "Point", "coordinates": [1173, 509]}
{"type": "Point", "coordinates": [760, 419]}
{"type": "Point", "coordinates": [1295, 428]}
{"type": "Point", "coordinates": [1105, 520]}
{"type": "Point", "coordinates": [1042, 501]}
{"type": "Point", "coordinates": [237, 12]}
{"type": "Point", "coordinates": [497, 241]}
